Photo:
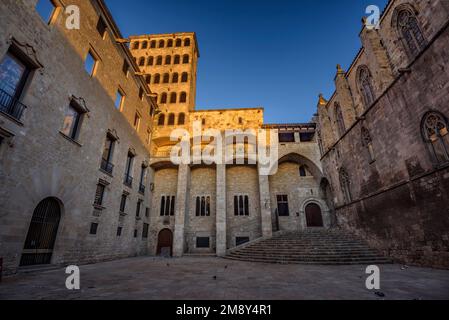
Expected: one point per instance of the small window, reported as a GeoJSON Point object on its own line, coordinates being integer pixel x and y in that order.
{"type": "Point", "coordinates": [119, 100]}
{"type": "Point", "coordinates": [173, 97]}
{"type": "Point", "coordinates": [187, 42]}
{"type": "Point", "coordinates": [184, 77]}
{"type": "Point", "coordinates": [241, 205]}
{"type": "Point", "coordinates": [171, 119]}
{"type": "Point", "coordinates": [93, 228]}
{"type": "Point", "coordinates": [163, 99]}
{"type": "Point", "coordinates": [203, 121]}
{"type": "Point", "coordinates": [157, 78]}
{"type": "Point", "coordinates": [175, 78]}
{"type": "Point", "coordinates": [282, 201]}
{"type": "Point", "coordinates": [159, 60]}
{"type": "Point", "coordinates": [99, 194]}
{"type": "Point", "coordinates": [135, 233]}
{"type": "Point", "coordinates": [72, 121]}
{"type": "Point", "coordinates": [138, 207]}
{"type": "Point", "coordinates": [136, 45]}
{"type": "Point", "coordinates": [144, 44]}
{"type": "Point", "coordinates": [202, 206]}
{"type": "Point", "coordinates": [136, 121]}
{"type": "Point", "coordinates": [147, 212]}
{"type": "Point", "coordinates": [46, 9]}
{"type": "Point", "coordinates": [161, 120]}
{"type": "Point", "coordinates": [141, 93]}
{"type": "Point", "coordinates": [153, 44]}
{"type": "Point", "coordinates": [150, 61]}
{"type": "Point", "coordinates": [170, 43]}
{"type": "Point", "coordinates": [306, 136]}
{"type": "Point", "coordinates": [145, 231]}
{"type": "Point", "coordinates": [241, 240]}
{"type": "Point", "coordinates": [119, 231]}
{"type": "Point", "coordinates": [141, 62]}
{"type": "Point", "coordinates": [90, 64]}
{"type": "Point", "coordinates": [240, 120]}
{"type": "Point", "coordinates": [183, 97]}
{"type": "Point", "coordinates": [166, 78]}
{"type": "Point", "coordinates": [101, 27]}
{"type": "Point", "coordinates": [148, 79]}
{"type": "Point", "coordinates": [161, 43]}
{"type": "Point", "coordinates": [123, 202]}
{"type": "Point", "coordinates": [181, 119]}
{"type": "Point", "coordinates": [177, 59]}
{"type": "Point", "coordinates": [185, 58]}
{"type": "Point", "coordinates": [178, 42]}
{"type": "Point", "coordinates": [125, 68]}
{"type": "Point", "coordinates": [202, 242]}
{"type": "Point", "coordinates": [168, 60]}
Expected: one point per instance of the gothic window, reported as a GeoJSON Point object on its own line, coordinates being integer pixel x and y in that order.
{"type": "Point", "coordinates": [175, 78]}
{"type": "Point", "coordinates": [157, 78]}
{"type": "Point", "coordinates": [184, 77]}
{"type": "Point", "coordinates": [166, 78]}
{"type": "Point", "coordinates": [168, 60]}
{"type": "Point", "coordinates": [435, 132]}
{"type": "Point", "coordinates": [161, 43]}
{"type": "Point", "coordinates": [183, 97]}
{"type": "Point", "coordinates": [366, 86]}
{"type": "Point", "coordinates": [339, 119]}
{"type": "Point", "coordinates": [410, 32]}
{"type": "Point", "coordinates": [187, 42]}
{"type": "Point", "coordinates": [177, 59]}
{"type": "Point", "coordinates": [150, 61]}
{"type": "Point", "coordinates": [171, 119]}
{"type": "Point", "coordinates": [181, 119]}
{"type": "Point", "coordinates": [161, 120]}
{"type": "Point", "coordinates": [159, 60]}
{"type": "Point", "coordinates": [173, 97]}
{"type": "Point", "coordinates": [163, 98]}
{"type": "Point", "coordinates": [345, 185]}
{"type": "Point", "coordinates": [367, 143]}
{"type": "Point", "coordinates": [185, 58]}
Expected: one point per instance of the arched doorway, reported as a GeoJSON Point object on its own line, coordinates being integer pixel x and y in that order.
{"type": "Point", "coordinates": [165, 243]}
{"type": "Point", "coordinates": [42, 232]}
{"type": "Point", "coordinates": [313, 215]}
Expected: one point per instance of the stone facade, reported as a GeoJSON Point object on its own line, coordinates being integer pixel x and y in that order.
{"type": "Point", "coordinates": [388, 184]}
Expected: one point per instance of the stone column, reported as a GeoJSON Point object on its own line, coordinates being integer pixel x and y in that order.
{"type": "Point", "coordinates": [265, 206]}
{"type": "Point", "coordinates": [181, 209]}
{"type": "Point", "coordinates": [221, 210]}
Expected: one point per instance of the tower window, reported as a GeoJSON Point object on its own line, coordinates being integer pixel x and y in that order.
{"type": "Point", "coordinates": [171, 119]}
{"type": "Point", "coordinates": [159, 60]}
{"type": "Point", "coordinates": [183, 97]}
{"type": "Point", "coordinates": [178, 42]}
{"type": "Point", "coordinates": [175, 77]}
{"type": "Point", "coordinates": [434, 126]}
{"type": "Point", "coordinates": [150, 61]}
{"type": "Point", "coordinates": [152, 44]}
{"type": "Point", "coordinates": [177, 59]}
{"type": "Point", "coordinates": [161, 120]}
{"type": "Point", "coordinates": [181, 119]}
{"type": "Point", "coordinates": [173, 97]}
{"type": "Point", "coordinates": [166, 78]}
{"type": "Point", "coordinates": [185, 58]}
{"type": "Point", "coordinates": [163, 98]}
{"type": "Point", "coordinates": [184, 77]}
{"type": "Point", "coordinates": [187, 42]}
{"type": "Point", "coordinates": [161, 43]}
{"type": "Point", "coordinates": [168, 60]}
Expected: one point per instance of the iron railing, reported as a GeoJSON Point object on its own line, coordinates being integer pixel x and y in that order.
{"type": "Point", "coordinates": [11, 106]}
{"type": "Point", "coordinates": [106, 166]}
{"type": "Point", "coordinates": [141, 188]}
{"type": "Point", "coordinates": [128, 180]}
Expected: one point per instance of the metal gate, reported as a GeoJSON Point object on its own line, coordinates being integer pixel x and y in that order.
{"type": "Point", "coordinates": [41, 235]}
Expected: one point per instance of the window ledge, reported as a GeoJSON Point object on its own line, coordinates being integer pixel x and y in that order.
{"type": "Point", "coordinates": [16, 121]}
{"type": "Point", "coordinates": [105, 172]}
{"type": "Point", "coordinates": [98, 207]}
{"type": "Point", "coordinates": [70, 139]}
{"type": "Point", "coordinates": [122, 214]}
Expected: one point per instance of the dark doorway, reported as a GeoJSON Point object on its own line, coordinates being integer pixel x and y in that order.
{"type": "Point", "coordinates": [314, 216]}
{"type": "Point", "coordinates": [165, 243]}
{"type": "Point", "coordinates": [41, 235]}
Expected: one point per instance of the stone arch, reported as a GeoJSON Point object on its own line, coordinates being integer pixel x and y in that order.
{"type": "Point", "coordinates": [325, 212]}
{"type": "Point", "coordinates": [302, 160]}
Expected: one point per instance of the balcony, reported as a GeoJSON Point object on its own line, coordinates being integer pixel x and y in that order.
{"type": "Point", "coordinates": [141, 188]}
{"type": "Point", "coordinates": [11, 106]}
{"type": "Point", "coordinates": [128, 181]}
{"type": "Point", "coordinates": [106, 166]}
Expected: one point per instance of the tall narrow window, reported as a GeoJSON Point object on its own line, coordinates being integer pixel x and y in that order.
{"type": "Point", "coordinates": [161, 43]}
{"type": "Point", "coordinates": [141, 61]}
{"type": "Point", "coordinates": [185, 58]}
{"type": "Point", "coordinates": [202, 208]}
{"type": "Point", "coordinates": [106, 160]}
{"type": "Point", "coordinates": [72, 121]}
{"type": "Point", "coordinates": [148, 79]}
{"type": "Point", "coordinates": [282, 202]}
{"type": "Point", "coordinates": [99, 195]}
{"type": "Point", "coordinates": [159, 60]}
{"type": "Point", "coordinates": [161, 120]}
{"type": "Point", "coordinates": [175, 78]}
{"type": "Point", "coordinates": [184, 77]}
{"type": "Point", "coordinates": [366, 86]}
{"type": "Point", "coordinates": [181, 119]}
{"type": "Point", "coordinates": [129, 169]}
{"type": "Point", "coordinates": [410, 31]}
{"type": "Point", "coordinates": [178, 42]}
{"type": "Point", "coordinates": [173, 97]}
{"type": "Point", "coordinates": [241, 205]}
{"type": "Point", "coordinates": [123, 202]}
{"type": "Point", "coordinates": [142, 179]}
{"type": "Point", "coordinates": [101, 27]}
{"type": "Point", "coordinates": [119, 100]}
{"type": "Point", "coordinates": [145, 230]}
{"type": "Point", "coordinates": [157, 78]}
{"type": "Point", "coordinates": [138, 207]}
{"type": "Point", "coordinates": [345, 185]}
{"type": "Point", "coordinates": [166, 78]}
{"type": "Point", "coordinates": [339, 120]}
{"type": "Point", "coordinates": [125, 67]}
{"type": "Point", "coordinates": [152, 44]}
{"type": "Point", "coordinates": [136, 121]}
{"type": "Point", "coordinates": [90, 64]}
{"type": "Point", "coordinates": [169, 43]}
{"type": "Point", "coordinates": [171, 119]}
{"type": "Point", "coordinates": [186, 42]}
{"type": "Point", "coordinates": [46, 9]}
{"type": "Point", "coordinates": [177, 59]}
{"type": "Point", "coordinates": [150, 61]}
{"type": "Point", "coordinates": [163, 99]}
{"type": "Point", "coordinates": [183, 97]}
{"type": "Point", "coordinates": [302, 171]}
{"type": "Point", "coordinates": [168, 60]}
{"type": "Point", "coordinates": [367, 143]}
{"type": "Point", "coordinates": [434, 126]}
{"type": "Point", "coordinates": [167, 206]}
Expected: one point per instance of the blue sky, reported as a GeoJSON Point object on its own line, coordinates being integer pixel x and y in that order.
{"type": "Point", "coordinates": [275, 54]}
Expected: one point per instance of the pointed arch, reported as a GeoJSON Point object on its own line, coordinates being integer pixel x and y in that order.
{"type": "Point", "coordinates": [365, 85]}
{"type": "Point", "coordinates": [434, 129]}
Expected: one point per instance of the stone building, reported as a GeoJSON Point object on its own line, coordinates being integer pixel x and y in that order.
{"type": "Point", "coordinates": [384, 139]}
{"type": "Point", "coordinates": [85, 169]}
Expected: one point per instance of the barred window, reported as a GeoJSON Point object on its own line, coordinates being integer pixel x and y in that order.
{"type": "Point", "coordinates": [241, 205]}
{"type": "Point", "coordinates": [202, 207]}
{"type": "Point", "coordinates": [167, 206]}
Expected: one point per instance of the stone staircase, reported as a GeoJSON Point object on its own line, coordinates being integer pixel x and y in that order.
{"type": "Point", "coordinates": [326, 247]}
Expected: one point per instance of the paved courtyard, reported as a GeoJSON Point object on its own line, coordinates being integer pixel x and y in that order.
{"type": "Point", "coordinates": [215, 278]}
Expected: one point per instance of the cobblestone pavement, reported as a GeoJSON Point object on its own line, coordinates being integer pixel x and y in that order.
{"type": "Point", "coordinates": [194, 278]}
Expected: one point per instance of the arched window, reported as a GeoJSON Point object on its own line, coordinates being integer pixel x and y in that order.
{"type": "Point", "coordinates": [136, 45]}
{"type": "Point", "coordinates": [178, 42]}
{"type": "Point", "coordinates": [176, 60]}
{"type": "Point", "coordinates": [187, 42]}
{"type": "Point", "coordinates": [169, 43]}
{"type": "Point", "coordinates": [161, 43]}
{"type": "Point", "coordinates": [150, 61]}
{"type": "Point", "coordinates": [163, 98]}
{"type": "Point", "coordinates": [144, 44]}
{"type": "Point", "coordinates": [152, 44]}
{"type": "Point", "coordinates": [181, 118]}
{"type": "Point", "coordinates": [173, 97]}
{"type": "Point", "coordinates": [345, 185]}
{"type": "Point", "coordinates": [302, 171]}
{"type": "Point", "coordinates": [434, 126]}
{"type": "Point", "coordinates": [159, 60]}
{"type": "Point", "coordinates": [168, 60]}
{"type": "Point", "coordinates": [157, 78]}
{"type": "Point", "coordinates": [184, 77]}
{"type": "Point", "coordinates": [166, 78]}
{"type": "Point", "coordinates": [410, 32]}
{"type": "Point", "coordinates": [171, 119]}
{"type": "Point", "coordinates": [366, 86]}
{"type": "Point", "coordinates": [148, 79]}
{"type": "Point", "coordinates": [141, 62]}
{"type": "Point", "coordinates": [185, 58]}
{"type": "Point", "coordinates": [339, 119]}
{"type": "Point", "coordinates": [367, 142]}
{"type": "Point", "coordinates": [175, 78]}
{"type": "Point", "coordinates": [161, 120]}
{"type": "Point", "coordinates": [183, 97]}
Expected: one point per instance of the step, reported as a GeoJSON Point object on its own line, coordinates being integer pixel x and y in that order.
{"type": "Point", "coordinates": [359, 262]}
